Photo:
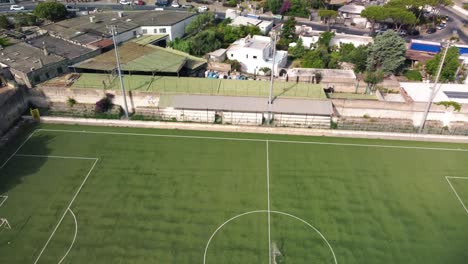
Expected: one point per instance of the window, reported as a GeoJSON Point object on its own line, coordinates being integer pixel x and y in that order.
{"type": "Point", "coordinates": [134, 33]}
{"type": "Point", "coordinates": [162, 30]}
{"type": "Point", "coordinates": [232, 55]}
{"type": "Point", "coordinates": [255, 57]}
{"type": "Point", "coordinates": [155, 31]}
{"type": "Point", "coordinates": [59, 70]}
{"type": "Point", "coordinates": [145, 31]}
{"type": "Point", "coordinates": [47, 75]}
{"type": "Point", "coordinates": [247, 56]}
{"type": "Point", "coordinates": [37, 79]}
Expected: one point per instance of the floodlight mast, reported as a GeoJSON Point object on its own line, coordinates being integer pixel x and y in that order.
{"type": "Point", "coordinates": [113, 30]}
{"type": "Point", "coordinates": [272, 77]}
{"type": "Point", "coordinates": [433, 91]}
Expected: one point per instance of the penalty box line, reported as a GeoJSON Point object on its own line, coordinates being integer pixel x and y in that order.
{"type": "Point", "coordinates": [455, 191]}
{"type": "Point", "coordinates": [68, 208]}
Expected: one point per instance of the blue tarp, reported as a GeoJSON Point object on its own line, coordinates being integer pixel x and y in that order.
{"type": "Point", "coordinates": [425, 47]}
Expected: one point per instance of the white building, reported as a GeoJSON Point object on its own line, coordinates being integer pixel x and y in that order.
{"type": "Point", "coordinates": [256, 52]}
{"type": "Point", "coordinates": [420, 92]}
{"type": "Point", "coordinates": [310, 37]}
{"type": "Point", "coordinates": [352, 14]}
{"type": "Point", "coordinates": [265, 26]}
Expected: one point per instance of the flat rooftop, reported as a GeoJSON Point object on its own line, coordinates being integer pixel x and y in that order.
{"type": "Point", "coordinates": [59, 47]}
{"type": "Point", "coordinates": [420, 92]}
{"type": "Point", "coordinates": [143, 58]}
{"type": "Point", "coordinates": [25, 58]}
{"type": "Point", "coordinates": [75, 27]}
{"type": "Point", "coordinates": [248, 104]}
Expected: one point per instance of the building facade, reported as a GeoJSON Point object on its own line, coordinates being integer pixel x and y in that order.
{"type": "Point", "coordinates": [255, 53]}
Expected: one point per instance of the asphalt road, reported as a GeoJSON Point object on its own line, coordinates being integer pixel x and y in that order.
{"type": "Point", "coordinates": [454, 25]}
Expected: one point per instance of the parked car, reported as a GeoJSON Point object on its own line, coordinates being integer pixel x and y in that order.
{"type": "Point", "coordinates": [139, 2]}
{"type": "Point", "coordinates": [187, 6]}
{"type": "Point", "coordinates": [441, 26]}
{"type": "Point", "coordinates": [175, 5]}
{"type": "Point", "coordinates": [431, 30]}
{"type": "Point", "coordinates": [202, 9]}
{"type": "Point", "coordinates": [125, 2]}
{"type": "Point", "coordinates": [161, 3]}
{"type": "Point", "coordinates": [16, 8]}
{"type": "Point", "coordinates": [413, 32]}
{"type": "Point", "coordinates": [402, 32]}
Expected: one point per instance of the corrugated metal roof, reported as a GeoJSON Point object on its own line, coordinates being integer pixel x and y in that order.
{"type": "Point", "coordinates": [248, 104]}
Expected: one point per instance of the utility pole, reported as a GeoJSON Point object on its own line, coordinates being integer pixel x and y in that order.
{"type": "Point", "coordinates": [113, 30]}
{"type": "Point", "coordinates": [434, 90]}
{"type": "Point", "coordinates": [272, 77]}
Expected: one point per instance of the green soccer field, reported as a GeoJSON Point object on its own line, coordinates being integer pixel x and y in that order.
{"type": "Point", "coordinates": [77, 194]}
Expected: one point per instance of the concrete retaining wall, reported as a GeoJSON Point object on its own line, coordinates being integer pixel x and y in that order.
{"type": "Point", "coordinates": [12, 105]}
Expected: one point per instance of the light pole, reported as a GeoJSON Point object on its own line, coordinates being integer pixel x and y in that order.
{"type": "Point", "coordinates": [272, 77]}
{"type": "Point", "coordinates": [433, 91]}
{"type": "Point", "coordinates": [113, 30]}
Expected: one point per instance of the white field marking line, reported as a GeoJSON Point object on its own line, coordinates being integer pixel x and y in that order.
{"type": "Point", "coordinates": [66, 210]}
{"type": "Point", "coordinates": [4, 197]}
{"type": "Point", "coordinates": [14, 153]}
{"type": "Point", "coordinates": [268, 199]}
{"type": "Point", "coordinates": [454, 191]}
{"type": "Point", "coordinates": [53, 157]}
{"type": "Point", "coordinates": [275, 212]}
{"type": "Point", "coordinates": [74, 237]}
{"type": "Point", "coordinates": [256, 140]}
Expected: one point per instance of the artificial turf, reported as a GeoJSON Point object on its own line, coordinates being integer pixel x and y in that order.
{"type": "Point", "coordinates": [153, 199]}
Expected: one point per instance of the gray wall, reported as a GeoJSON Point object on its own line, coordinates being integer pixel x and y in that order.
{"type": "Point", "coordinates": [12, 105]}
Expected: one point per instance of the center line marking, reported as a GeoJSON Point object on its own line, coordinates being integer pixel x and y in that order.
{"type": "Point", "coordinates": [268, 200]}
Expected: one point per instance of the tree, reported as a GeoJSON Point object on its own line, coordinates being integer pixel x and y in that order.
{"type": "Point", "coordinates": [401, 17]}
{"type": "Point", "coordinates": [297, 51]}
{"type": "Point", "coordinates": [285, 7]}
{"type": "Point", "coordinates": [374, 14]}
{"type": "Point", "coordinates": [387, 53]}
{"type": "Point", "coordinates": [359, 58]}
{"type": "Point", "coordinates": [325, 39]}
{"type": "Point", "coordinates": [179, 44]}
{"type": "Point", "coordinates": [204, 42]}
{"type": "Point", "coordinates": [288, 33]}
{"type": "Point", "coordinates": [327, 15]}
{"type": "Point", "coordinates": [235, 65]}
{"type": "Point", "coordinates": [4, 42]}
{"type": "Point", "coordinates": [312, 59]}
{"type": "Point", "coordinates": [199, 23]}
{"type": "Point", "coordinates": [274, 5]}
{"type": "Point", "coordinates": [372, 78]}
{"type": "Point", "coordinates": [52, 11]}
{"type": "Point", "coordinates": [4, 23]}
{"type": "Point", "coordinates": [449, 68]}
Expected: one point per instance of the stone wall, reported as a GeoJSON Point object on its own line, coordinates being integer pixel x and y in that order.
{"type": "Point", "coordinates": [12, 105]}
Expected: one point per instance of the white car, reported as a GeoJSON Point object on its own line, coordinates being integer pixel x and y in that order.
{"type": "Point", "coordinates": [125, 2]}
{"type": "Point", "coordinates": [16, 8]}
{"type": "Point", "coordinates": [202, 9]}
{"type": "Point", "coordinates": [159, 9]}
{"type": "Point", "coordinates": [175, 4]}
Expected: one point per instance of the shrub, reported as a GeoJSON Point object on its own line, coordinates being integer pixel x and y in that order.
{"type": "Point", "coordinates": [71, 102]}
{"type": "Point", "coordinates": [52, 11]}
{"type": "Point", "coordinates": [413, 75]}
{"type": "Point", "coordinates": [105, 104]}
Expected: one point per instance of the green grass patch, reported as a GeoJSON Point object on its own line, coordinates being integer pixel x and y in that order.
{"type": "Point", "coordinates": [413, 75]}
{"type": "Point", "coordinates": [188, 85]}
{"type": "Point", "coordinates": [161, 194]}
